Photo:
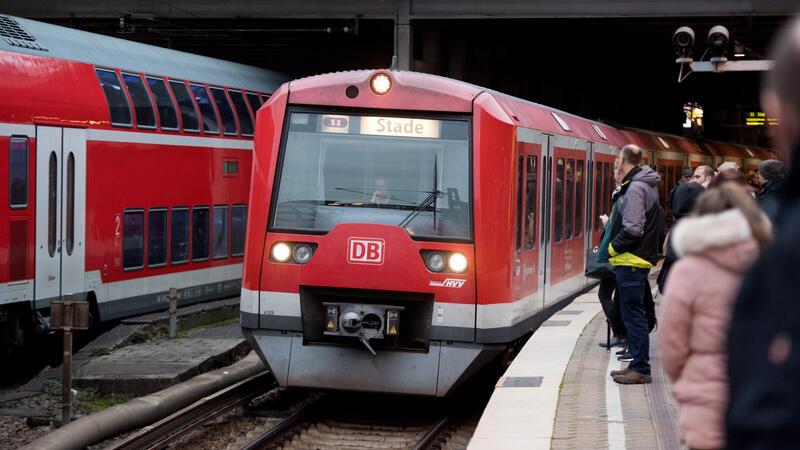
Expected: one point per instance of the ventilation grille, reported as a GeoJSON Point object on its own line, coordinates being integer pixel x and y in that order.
{"type": "Point", "coordinates": [15, 35]}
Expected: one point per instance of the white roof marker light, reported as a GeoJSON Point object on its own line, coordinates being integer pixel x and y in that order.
{"type": "Point", "coordinates": [380, 83]}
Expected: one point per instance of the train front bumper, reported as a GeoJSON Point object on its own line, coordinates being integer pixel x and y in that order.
{"type": "Point", "coordinates": [433, 373]}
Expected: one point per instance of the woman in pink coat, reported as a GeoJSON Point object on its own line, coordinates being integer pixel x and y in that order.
{"type": "Point", "coordinates": [715, 245]}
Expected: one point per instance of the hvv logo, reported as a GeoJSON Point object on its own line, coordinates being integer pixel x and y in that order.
{"type": "Point", "coordinates": [365, 251]}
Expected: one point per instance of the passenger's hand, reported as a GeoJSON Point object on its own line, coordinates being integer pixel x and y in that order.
{"type": "Point", "coordinates": [604, 219]}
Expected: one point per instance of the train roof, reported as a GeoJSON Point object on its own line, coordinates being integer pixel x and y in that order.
{"type": "Point", "coordinates": [41, 39]}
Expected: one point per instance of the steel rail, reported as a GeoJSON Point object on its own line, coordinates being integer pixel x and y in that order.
{"type": "Point", "coordinates": [275, 433]}
{"type": "Point", "coordinates": [167, 430]}
{"type": "Point", "coordinates": [431, 435]}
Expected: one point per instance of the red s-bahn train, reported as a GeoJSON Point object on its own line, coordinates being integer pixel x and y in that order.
{"type": "Point", "coordinates": [405, 228]}
{"type": "Point", "coordinates": [125, 171]}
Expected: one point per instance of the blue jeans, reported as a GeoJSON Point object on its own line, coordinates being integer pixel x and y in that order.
{"type": "Point", "coordinates": [631, 282]}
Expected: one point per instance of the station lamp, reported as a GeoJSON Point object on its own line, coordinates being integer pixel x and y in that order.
{"type": "Point", "coordinates": [683, 40]}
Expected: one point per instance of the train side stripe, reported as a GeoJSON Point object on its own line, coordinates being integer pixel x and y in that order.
{"type": "Point", "coordinates": [134, 137]}
{"type": "Point", "coordinates": [16, 129]}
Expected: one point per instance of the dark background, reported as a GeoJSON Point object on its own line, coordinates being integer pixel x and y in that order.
{"type": "Point", "coordinates": [619, 70]}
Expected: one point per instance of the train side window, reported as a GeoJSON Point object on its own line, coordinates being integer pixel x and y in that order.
{"type": "Point", "coordinates": [118, 105]}
{"type": "Point", "coordinates": [520, 183]}
{"type": "Point", "coordinates": [245, 116]}
{"type": "Point", "coordinates": [18, 166]}
{"type": "Point", "coordinates": [558, 208]}
{"type": "Point", "coordinates": [207, 112]}
{"type": "Point", "coordinates": [570, 198]}
{"type": "Point", "coordinates": [52, 190]}
{"type": "Point", "coordinates": [598, 194]}
{"type": "Point", "coordinates": [200, 237]}
{"type": "Point", "coordinates": [133, 239]}
{"type": "Point", "coordinates": [167, 116]}
{"type": "Point", "coordinates": [238, 223]}
{"type": "Point", "coordinates": [532, 197]}
{"type": "Point", "coordinates": [189, 115]}
{"type": "Point", "coordinates": [145, 116]}
{"type": "Point", "coordinates": [225, 112]}
{"type": "Point", "coordinates": [609, 188]}
{"type": "Point", "coordinates": [157, 237]}
{"type": "Point", "coordinates": [220, 230]}
{"type": "Point", "coordinates": [579, 197]}
{"type": "Point", "coordinates": [180, 235]}
{"type": "Point", "coordinates": [255, 103]}
{"type": "Point", "coordinates": [70, 225]}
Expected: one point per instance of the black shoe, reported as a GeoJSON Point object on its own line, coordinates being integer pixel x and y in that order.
{"type": "Point", "coordinates": [620, 342]}
{"type": "Point", "coordinates": [623, 351]}
{"type": "Point", "coordinates": [625, 357]}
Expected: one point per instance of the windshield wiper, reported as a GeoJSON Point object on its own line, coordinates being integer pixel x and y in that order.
{"type": "Point", "coordinates": [384, 196]}
{"type": "Point", "coordinates": [428, 201]}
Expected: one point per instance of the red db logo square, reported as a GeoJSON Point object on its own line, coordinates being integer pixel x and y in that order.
{"type": "Point", "coordinates": [365, 251]}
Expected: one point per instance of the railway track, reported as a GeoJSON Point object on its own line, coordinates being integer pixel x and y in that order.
{"type": "Point", "coordinates": [376, 422]}
{"type": "Point", "coordinates": [170, 429]}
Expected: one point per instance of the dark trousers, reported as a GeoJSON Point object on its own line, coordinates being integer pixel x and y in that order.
{"type": "Point", "coordinates": [631, 285]}
{"type": "Point", "coordinates": [609, 300]}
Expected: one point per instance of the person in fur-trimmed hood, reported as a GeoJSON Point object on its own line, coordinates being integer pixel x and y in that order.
{"type": "Point", "coordinates": [716, 244]}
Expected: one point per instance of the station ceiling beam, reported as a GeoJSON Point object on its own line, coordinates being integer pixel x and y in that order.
{"type": "Point", "coordinates": [387, 9]}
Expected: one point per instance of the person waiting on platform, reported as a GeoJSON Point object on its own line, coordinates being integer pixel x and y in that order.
{"type": "Point", "coordinates": [703, 175]}
{"type": "Point", "coordinates": [764, 338]}
{"type": "Point", "coordinates": [716, 244]}
{"type": "Point", "coordinates": [770, 178]}
{"type": "Point", "coordinates": [634, 250]}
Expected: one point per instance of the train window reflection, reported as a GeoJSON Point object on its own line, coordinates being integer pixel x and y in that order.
{"type": "Point", "coordinates": [570, 202]}
{"type": "Point", "coordinates": [180, 235]}
{"type": "Point", "coordinates": [117, 101]}
{"type": "Point", "coordinates": [531, 200]}
{"type": "Point", "coordinates": [52, 192]}
{"type": "Point", "coordinates": [189, 115]}
{"type": "Point", "coordinates": [225, 111]}
{"type": "Point", "coordinates": [207, 112]}
{"type": "Point", "coordinates": [238, 223]}
{"type": "Point", "coordinates": [403, 171]}
{"type": "Point", "coordinates": [18, 173]}
{"type": "Point", "coordinates": [254, 102]}
{"type": "Point", "coordinates": [558, 210]}
{"type": "Point", "coordinates": [245, 117]}
{"type": "Point", "coordinates": [133, 240]}
{"type": "Point", "coordinates": [157, 237]}
{"type": "Point", "coordinates": [145, 117]}
{"type": "Point", "coordinates": [220, 230]}
{"type": "Point", "coordinates": [200, 237]}
{"type": "Point", "coordinates": [70, 225]}
{"type": "Point", "coordinates": [579, 198]}
{"type": "Point", "coordinates": [520, 184]}
{"type": "Point", "coordinates": [167, 116]}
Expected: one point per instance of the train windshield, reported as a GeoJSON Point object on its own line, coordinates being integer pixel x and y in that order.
{"type": "Point", "coordinates": [406, 171]}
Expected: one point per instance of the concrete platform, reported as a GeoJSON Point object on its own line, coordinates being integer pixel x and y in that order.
{"type": "Point", "coordinates": [151, 366]}
{"type": "Point", "coordinates": [557, 393]}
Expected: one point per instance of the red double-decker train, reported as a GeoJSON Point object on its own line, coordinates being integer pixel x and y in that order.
{"type": "Point", "coordinates": [125, 171]}
{"type": "Point", "coordinates": [405, 228]}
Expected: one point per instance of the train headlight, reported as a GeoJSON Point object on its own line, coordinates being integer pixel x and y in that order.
{"type": "Point", "coordinates": [302, 253]}
{"type": "Point", "coordinates": [457, 262]}
{"type": "Point", "coordinates": [435, 262]}
{"type": "Point", "coordinates": [281, 252]}
{"type": "Point", "coordinates": [380, 83]}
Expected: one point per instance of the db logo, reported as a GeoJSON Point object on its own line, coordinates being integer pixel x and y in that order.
{"type": "Point", "coordinates": [365, 251]}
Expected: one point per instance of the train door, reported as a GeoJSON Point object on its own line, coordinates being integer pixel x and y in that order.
{"type": "Point", "coordinates": [60, 212]}
{"type": "Point", "coordinates": [568, 186]}
{"type": "Point", "coordinates": [529, 269]}
{"type": "Point", "coordinates": [603, 179]}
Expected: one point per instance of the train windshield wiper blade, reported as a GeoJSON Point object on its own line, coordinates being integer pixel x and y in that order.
{"type": "Point", "coordinates": [428, 201]}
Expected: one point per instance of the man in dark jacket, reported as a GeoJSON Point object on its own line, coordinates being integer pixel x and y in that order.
{"type": "Point", "coordinates": [770, 177]}
{"type": "Point", "coordinates": [764, 337]}
{"type": "Point", "coordinates": [636, 230]}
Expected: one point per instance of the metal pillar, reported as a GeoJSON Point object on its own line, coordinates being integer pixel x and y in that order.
{"type": "Point", "coordinates": [173, 312]}
{"type": "Point", "coordinates": [402, 34]}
